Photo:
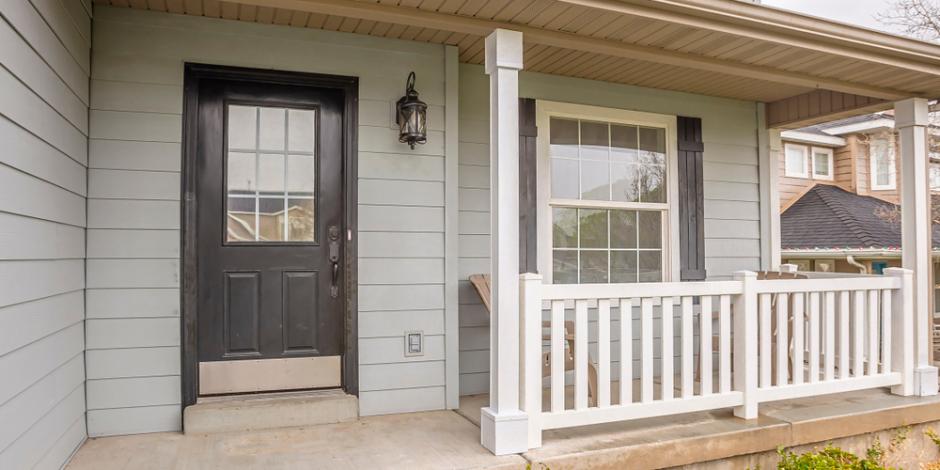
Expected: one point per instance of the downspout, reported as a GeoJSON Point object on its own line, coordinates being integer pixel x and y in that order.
{"type": "Point", "coordinates": [861, 267]}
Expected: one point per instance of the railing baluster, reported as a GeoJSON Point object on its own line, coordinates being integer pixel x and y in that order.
{"type": "Point", "coordinates": [706, 346]}
{"type": "Point", "coordinates": [844, 335]}
{"type": "Point", "coordinates": [667, 355]}
{"type": "Point", "coordinates": [799, 321]}
{"type": "Point", "coordinates": [858, 332]}
{"type": "Point", "coordinates": [873, 325]}
{"type": "Point", "coordinates": [765, 341]}
{"type": "Point", "coordinates": [687, 352]}
{"type": "Point", "coordinates": [580, 354]}
{"type": "Point", "coordinates": [783, 338]}
{"type": "Point", "coordinates": [603, 353]}
{"type": "Point", "coordinates": [626, 351]}
{"type": "Point", "coordinates": [886, 331]}
{"type": "Point", "coordinates": [813, 337]}
{"type": "Point", "coordinates": [558, 355]}
{"type": "Point", "coordinates": [829, 315]}
{"type": "Point", "coordinates": [646, 343]}
{"type": "Point", "coordinates": [724, 346]}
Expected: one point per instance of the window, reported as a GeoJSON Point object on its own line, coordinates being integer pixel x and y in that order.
{"type": "Point", "coordinates": [935, 177]}
{"type": "Point", "coordinates": [796, 161]}
{"type": "Point", "coordinates": [605, 195]}
{"type": "Point", "coordinates": [881, 154]}
{"type": "Point", "coordinates": [822, 163]}
{"type": "Point", "coordinates": [270, 174]}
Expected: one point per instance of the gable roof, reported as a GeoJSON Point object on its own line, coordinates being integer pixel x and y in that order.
{"type": "Point", "coordinates": [828, 217]}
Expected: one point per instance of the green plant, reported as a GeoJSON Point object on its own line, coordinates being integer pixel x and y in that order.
{"type": "Point", "coordinates": [900, 437]}
{"type": "Point", "coordinates": [933, 436]}
{"type": "Point", "coordinates": [831, 458]}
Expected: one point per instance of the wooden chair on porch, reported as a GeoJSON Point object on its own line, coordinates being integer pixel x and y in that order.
{"type": "Point", "coordinates": [481, 282]}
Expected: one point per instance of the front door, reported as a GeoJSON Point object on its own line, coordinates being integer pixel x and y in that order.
{"type": "Point", "coordinates": [269, 236]}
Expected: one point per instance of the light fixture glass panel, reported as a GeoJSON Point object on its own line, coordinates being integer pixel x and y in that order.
{"type": "Point", "coordinates": [272, 129]}
{"type": "Point", "coordinates": [563, 141]}
{"type": "Point", "coordinates": [301, 130]}
{"type": "Point", "coordinates": [242, 127]}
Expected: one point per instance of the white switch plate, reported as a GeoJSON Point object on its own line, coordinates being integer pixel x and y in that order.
{"type": "Point", "coordinates": [414, 343]}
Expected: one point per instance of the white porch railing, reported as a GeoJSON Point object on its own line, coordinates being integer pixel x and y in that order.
{"type": "Point", "coordinates": [669, 348]}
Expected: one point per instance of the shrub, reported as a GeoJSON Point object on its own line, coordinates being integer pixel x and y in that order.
{"type": "Point", "coordinates": [829, 458]}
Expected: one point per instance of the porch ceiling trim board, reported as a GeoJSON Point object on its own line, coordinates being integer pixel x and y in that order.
{"type": "Point", "coordinates": [819, 106]}
{"type": "Point", "coordinates": [480, 27]}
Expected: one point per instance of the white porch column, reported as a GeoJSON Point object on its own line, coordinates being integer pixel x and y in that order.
{"type": "Point", "coordinates": [910, 121]}
{"type": "Point", "coordinates": [503, 426]}
{"type": "Point", "coordinates": [770, 146]}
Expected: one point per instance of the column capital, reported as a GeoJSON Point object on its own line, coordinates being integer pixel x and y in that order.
{"type": "Point", "coordinates": [503, 50]}
{"type": "Point", "coordinates": [911, 112]}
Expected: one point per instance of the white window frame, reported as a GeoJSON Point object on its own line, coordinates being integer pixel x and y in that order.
{"type": "Point", "coordinates": [892, 168]}
{"type": "Point", "coordinates": [786, 160]}
{"type": "Point", "coordinates": [934, 176]}
{"type": "Point", "coordinates": [545, 110]}
{"type": "Point", "coordinates": [831, 170]}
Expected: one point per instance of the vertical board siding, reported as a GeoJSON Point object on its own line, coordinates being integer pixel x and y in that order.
{"type": "Point", "coordinates": [730, 175]}
{"type": "Point", "coordinates": [133, 208]}
{"type": "Point", "coordinates": [44, 64]}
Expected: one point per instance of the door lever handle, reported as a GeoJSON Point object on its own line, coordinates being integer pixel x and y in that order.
{"type": "Point", "coordinates": [334, 260]}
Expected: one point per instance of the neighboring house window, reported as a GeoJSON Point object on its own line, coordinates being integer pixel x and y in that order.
{"type": "Point", "coordinates": [881, 154]}
{"type": "Point", "coordinates": [935, 177]}
{"type": "Point", "coordinates": [796, 166]}
{"type": "Point", "coordinates": [822, 163]}
{"type": "Point", "coordinates": [606, 195]}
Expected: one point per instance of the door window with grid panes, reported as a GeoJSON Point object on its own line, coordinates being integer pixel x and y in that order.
{"type": "Point", "coordinates": [608, 201]}
{"type": "Point", "coordinates": [270, 174]}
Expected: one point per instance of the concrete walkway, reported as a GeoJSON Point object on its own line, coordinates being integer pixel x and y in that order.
{"type": "Point", "coordinates": [434, 440]}
{"type": "Point", "coordinates": [450, 440]}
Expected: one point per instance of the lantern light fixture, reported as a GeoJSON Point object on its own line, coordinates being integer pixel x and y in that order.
{"type": "Point", "coordinates": [411, 116]}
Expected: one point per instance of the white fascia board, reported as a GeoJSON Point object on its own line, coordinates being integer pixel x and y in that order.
{"type": "Point", "coordinates": [814, 139]}
{"type": "Point", "coordinates": [882, 123]}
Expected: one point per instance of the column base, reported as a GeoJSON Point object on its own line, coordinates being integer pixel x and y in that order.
{"type": "Point", "coordinates": [925, 381]}
{"type": "Point", "coordinates": [506, 433]}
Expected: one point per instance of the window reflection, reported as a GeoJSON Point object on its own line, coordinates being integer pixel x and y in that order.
{"type": "Point", "coordinates": [270, 174]}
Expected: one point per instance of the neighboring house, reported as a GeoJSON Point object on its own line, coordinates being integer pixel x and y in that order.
{"type": "Point", "coordinates": [216, 198]}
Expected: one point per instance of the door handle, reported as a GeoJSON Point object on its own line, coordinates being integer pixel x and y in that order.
{"type": "Point", "coordinates": [334, 260]}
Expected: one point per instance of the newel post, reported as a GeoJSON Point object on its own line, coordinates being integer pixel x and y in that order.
{"type": "Point", "coordinates": [911, 120]}
{"type": "Point", "coordinates": [902, 330]}
{"type": "Point", "coordinates": [745, 344]}
{"type": "Point", "coordinates": [503, 425]}
{"type": "Point", "coordinates": [530, 286]}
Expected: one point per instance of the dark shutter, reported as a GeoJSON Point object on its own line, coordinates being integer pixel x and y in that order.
{"type": "Point", "coordinates": [528, 181]}
{"type": "Point", "coordinates": [691, 200]}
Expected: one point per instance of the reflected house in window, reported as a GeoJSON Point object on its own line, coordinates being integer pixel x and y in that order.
{"type": "Point", "coordinates": [272, 218]}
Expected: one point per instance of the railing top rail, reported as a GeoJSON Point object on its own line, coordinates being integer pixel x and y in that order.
{"type": "Point", "coordinates": [641, 290]}
{"type": "Point", "coordinates": [772, 286]}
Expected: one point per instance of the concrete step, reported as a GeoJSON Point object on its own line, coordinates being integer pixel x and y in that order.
{"type": "Point", "coordinates": [240, 413]}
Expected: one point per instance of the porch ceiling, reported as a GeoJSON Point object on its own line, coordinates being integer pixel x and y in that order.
{"type": "Point", "coordinates": [721, 48]}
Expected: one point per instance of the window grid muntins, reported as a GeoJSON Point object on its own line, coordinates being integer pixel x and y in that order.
{"type": "Point", "coordinates": [638, 197]}
{"type": "Point", "coordinates": [279, 186]}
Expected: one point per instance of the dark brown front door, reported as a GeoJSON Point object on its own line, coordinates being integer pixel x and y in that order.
{"type": "Point", "coordinates": [270, 236]}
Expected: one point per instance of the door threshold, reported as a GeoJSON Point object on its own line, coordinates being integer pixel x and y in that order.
{"type": "Point", "coordinates": [265, 411]}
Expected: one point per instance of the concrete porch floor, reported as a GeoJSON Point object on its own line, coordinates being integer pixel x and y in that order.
{"type": "Point", "coordinates": [447, 439]}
